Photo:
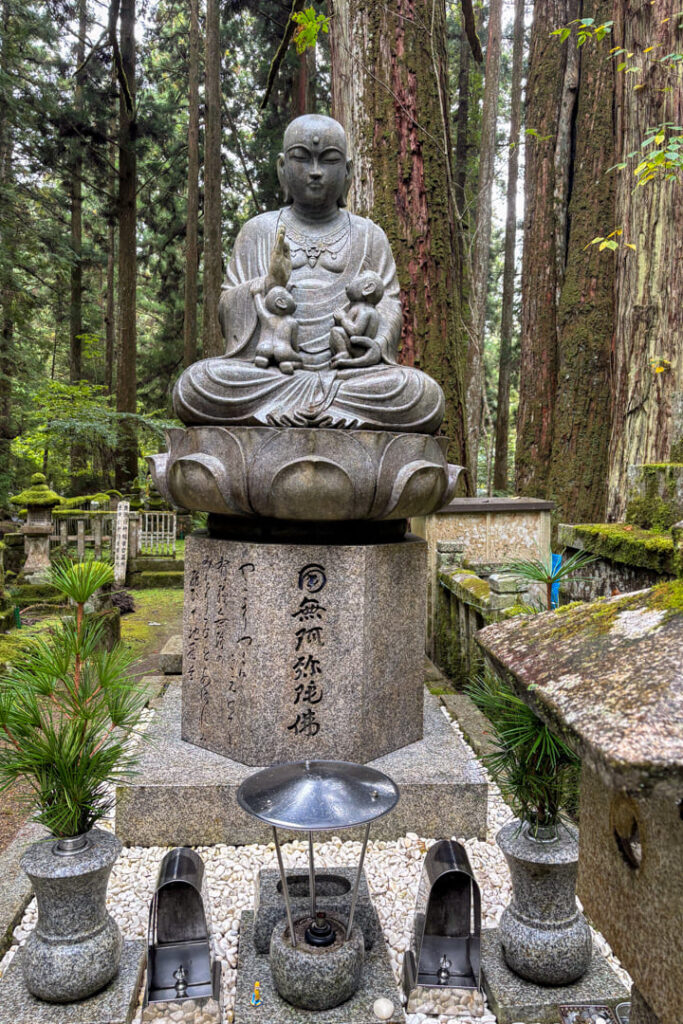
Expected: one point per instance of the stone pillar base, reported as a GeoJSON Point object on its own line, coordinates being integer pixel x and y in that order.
{"type": "Point", "coordinates": [294, 650]}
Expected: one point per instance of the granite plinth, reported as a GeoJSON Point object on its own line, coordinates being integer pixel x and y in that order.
{"type": "Point", "coordinates": [333, 888]}
{"type": "Point", "coordinates": [184, 795]}
{"type": "Point", "coordinates": [377, 980]}
{"type": "Point", "coordinates": [302, 650]}
{"type": "Point", "coordinates": [116, 1004]}
{"type": "Point", "coordinates": [513, 999]}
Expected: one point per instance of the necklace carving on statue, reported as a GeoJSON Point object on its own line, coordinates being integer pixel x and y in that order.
{"type": "Point", "coordinates": [331, 244]}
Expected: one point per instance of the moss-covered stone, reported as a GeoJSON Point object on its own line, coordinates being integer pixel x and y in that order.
{"type": "Point", "coordinates": [37, 495]}
{"type": "Point", "coordinates": [77, 503]}
{"type": "Point", "coordinates": [147, 580]}
{"type": "Point", "coordinates": [622, 542]}
{"type": "Point", "coordinates": [656, 495]}
{"type": "Point", "coordinates": [677, 451]}
{"type": "Point", "coordinates": [35, 593]}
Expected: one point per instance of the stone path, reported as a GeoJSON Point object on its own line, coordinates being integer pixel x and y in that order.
{"type": "Point", "coordinates": [393, 871]}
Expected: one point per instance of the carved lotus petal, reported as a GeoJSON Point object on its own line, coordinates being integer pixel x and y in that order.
{"type": "Point", "coordinates": [305, 474]}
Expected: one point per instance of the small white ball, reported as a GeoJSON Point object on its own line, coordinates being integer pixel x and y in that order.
{"type": "Point", "coordinates": [383, 1009]}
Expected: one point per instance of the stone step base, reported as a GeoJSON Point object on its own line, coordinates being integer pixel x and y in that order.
{"type": "Point", "coordinates": [151, 580]}
{"type": "Point", "coordinates": [186, 796]}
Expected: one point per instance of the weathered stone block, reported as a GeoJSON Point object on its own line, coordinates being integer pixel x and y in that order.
{"type": "Point", "coordinates": [491, 530]}
{"type": "Point", "coordinates": [297, 650]}
{"type": "Point", "coordinates": [506, 583]}
{"type": "Point", "coordinates": [171, 657]}
{"type": "Point", "coordinates": [333, 887]}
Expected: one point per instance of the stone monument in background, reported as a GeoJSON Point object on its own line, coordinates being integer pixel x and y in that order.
{"type": "Point", "coordinates": [309, 447]}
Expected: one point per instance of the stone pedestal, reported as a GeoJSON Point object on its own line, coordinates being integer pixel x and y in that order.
{"type": "Point", "coordinates": [186, 796]}
{"type": "Point", "coordinates": [303, 650]}
{"type": "Point", "coordinates": [513, 999]}
{"type": "Point", "coordinates": [115, 1004]}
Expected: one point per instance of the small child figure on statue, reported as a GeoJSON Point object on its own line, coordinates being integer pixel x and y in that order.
{"type": "Point", "coordinates": [358, 328]}
{"type": "Point", "coordinates": [278, 338]}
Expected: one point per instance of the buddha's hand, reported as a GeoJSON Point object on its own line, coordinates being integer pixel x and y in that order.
{"type": "Point", "coordinates": [280, 266]}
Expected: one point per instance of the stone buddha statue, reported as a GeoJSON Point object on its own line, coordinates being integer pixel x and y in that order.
{"type": "Point", "coordinates": [310, 312]}
{"type": "Point", "coordinates": [308, 418]}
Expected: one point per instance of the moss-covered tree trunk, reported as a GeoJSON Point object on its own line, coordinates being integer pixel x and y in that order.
{"type": "Point", "coordinates": [567, 290]}
{"type": "Point", "coordinates": [212, 340]}
{"type": "Point", "coordinates": [191, 233]}
{"type": "Point", "coordinates": [500, 470]}
{"type": "Point", "coordinates": [482, 237]}
{"type": "Point", "coordinates": [126, 369]}
{"type": "Point", "coordinates": [390, 91]}
{"type": "Point", "coordinates": [538, 342]}
{"type": "Point", "coordinates": [649, 281]}
{"type": "Point", "coordinates": [585, 309]}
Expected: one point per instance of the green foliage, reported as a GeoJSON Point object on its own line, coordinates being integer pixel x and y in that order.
{"type": "Point", "coordinates": [68, 709]}
{"type": "Point", "coordinates": [540, 570]}
{"type": "Point", "coordinates": [536, 771]}
{"type": "Point", "coordinates": [660, 155]}
{"type": "Point", "coordinates": [311, 24]}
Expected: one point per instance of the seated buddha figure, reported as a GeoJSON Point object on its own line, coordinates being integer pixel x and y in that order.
{"type": "Point", "coordinates": [314, 248]}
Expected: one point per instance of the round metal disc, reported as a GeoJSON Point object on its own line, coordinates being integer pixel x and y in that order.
{"type": "Point", "coordinates": [312, 796]}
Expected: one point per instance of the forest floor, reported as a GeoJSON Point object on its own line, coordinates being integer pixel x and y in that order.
{"type": "Point", "coordinates": [158, 615]}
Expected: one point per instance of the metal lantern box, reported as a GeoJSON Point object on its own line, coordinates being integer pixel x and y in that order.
{"type": "Point", "coordinates": [444, 953]}
{"type": "Point", "coordinates": [180, 973]}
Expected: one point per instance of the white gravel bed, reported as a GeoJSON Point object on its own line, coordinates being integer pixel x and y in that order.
{"type": "Point", "coordinates": [392, 869]}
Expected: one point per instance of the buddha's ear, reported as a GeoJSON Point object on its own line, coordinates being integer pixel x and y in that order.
{"type": "Point", "coordinates": [347, 183]}
{"type": "Point", "coordinates": [286, 197]}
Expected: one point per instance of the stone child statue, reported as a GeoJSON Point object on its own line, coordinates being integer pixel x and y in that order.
{"type": "Point", "coordinates": [358, 328]}
{"type": "Point", "coordinates": [278, 330]}
{"type": "Point", "coordinates": [317, 250]}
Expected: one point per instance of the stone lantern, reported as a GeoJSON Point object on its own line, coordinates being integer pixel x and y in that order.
{"type": "Point", "coordinates": [38, 500]}
{"type": "Point", "coordinates": [607, 677]}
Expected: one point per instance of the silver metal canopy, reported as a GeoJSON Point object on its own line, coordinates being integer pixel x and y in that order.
{"type": "Point", "coordinates": [318, 796]}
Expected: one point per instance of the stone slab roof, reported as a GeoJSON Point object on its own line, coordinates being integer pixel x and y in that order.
{"type": "Point", "coordinates": [609, 677]}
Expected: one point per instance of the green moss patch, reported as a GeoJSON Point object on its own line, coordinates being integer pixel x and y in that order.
{"type": "Point", "coordinates": [37, 495]}
{"type": "Point", "coordinates": [631, 545]}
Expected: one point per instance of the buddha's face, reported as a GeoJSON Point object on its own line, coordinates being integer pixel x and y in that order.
{"type": "Point", "coordinates": [313, 166]}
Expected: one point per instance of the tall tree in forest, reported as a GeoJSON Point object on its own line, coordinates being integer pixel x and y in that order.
{"type": "Point", "coordinates": [567, 289]}
{"type": "Point", "coordinates": [212, 341]}
{"type": "Point", "coordinates": [648, 343]}
{"type": "Point", "coordinates": [500, 468]}
{"type": "Point", "coordinates": [482, 237]}
{"type": "Point", "coordinates": [6, 260]}
{"type": "Point", "coordinates": [397, 116]}
{"type": "Point", "coordinates": [126, 369]}
{"type": "Point", "coordinates": [191, 243]}
{"type": "Point", "coordinates": [76, 196]}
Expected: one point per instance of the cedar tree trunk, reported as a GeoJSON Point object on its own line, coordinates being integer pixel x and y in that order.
{"type": "Point", "coordinates": [390, 91]}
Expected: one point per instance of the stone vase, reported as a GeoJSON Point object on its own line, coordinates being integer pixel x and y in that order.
{"type": "Point", "coordinates": [545, 938]}
{"type": "Point", "coordinates": [75, 947]}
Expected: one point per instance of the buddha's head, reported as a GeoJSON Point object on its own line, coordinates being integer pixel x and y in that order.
{"type": "Point", "coordinates": [313, 168]}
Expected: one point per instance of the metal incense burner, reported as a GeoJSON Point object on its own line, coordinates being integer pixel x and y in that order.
{"type": "Point", "coordinates": [444, 954]}
{"type": "Point", "coordinates": [317, 796]}
{"type": "Point", "coordinates": [180, 973]}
